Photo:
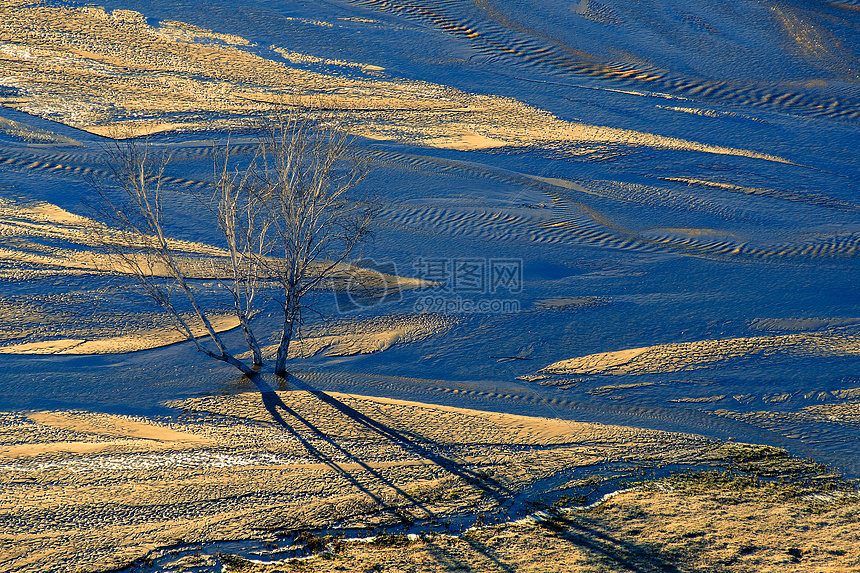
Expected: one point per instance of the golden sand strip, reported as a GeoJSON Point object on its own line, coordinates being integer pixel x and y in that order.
{"type": "Point", "coordinates": [676, 357]}
{"type": "Point", "coordinates": [141, 340]}
{"type": "Point", "coordinates": [100, 71]}
{"type": "Point", "coordinates": [362, 337]}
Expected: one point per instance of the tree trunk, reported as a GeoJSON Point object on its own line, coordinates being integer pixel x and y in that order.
{"type": "Point", "coordinates": [252, 373]}
{"type": "Point", "coordinates": [291, 308]}
{"type": "Point", "coordinates": [251, 341]}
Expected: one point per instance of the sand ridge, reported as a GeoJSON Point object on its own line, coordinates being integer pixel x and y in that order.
{"type": "Point", "coordinates": [114, 434]}
{"type": "Point", "coordinates": [684, 356]}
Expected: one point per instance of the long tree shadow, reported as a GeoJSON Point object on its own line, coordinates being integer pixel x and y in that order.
{"type": "Point", "coordinates": [277, 408]}
{"type": "Point", "coordinates": [622, 553]}
{"type": "Point", "coordinates": [614, 553]}
{"type": "Point", "coordinates": [450, 561]}
{"type": "Point", "coordinates": [274, 405]}
{"type": "Point", "coordinates": [628, 555]}
{"type": "Point", "coordinates": [498, 491]}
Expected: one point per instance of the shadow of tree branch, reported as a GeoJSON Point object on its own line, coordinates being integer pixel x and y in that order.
{"type": "Point", "coordinates": [275, 406]}
{"type": "Point", "coordinates": [497, 490]}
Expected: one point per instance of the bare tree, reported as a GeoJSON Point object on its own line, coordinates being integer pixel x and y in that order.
{"type": "Point", "coordinates": [287, 220]}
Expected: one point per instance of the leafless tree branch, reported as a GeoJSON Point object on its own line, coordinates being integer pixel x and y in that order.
{"type": "Point", "coordinates": [286, 218]}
